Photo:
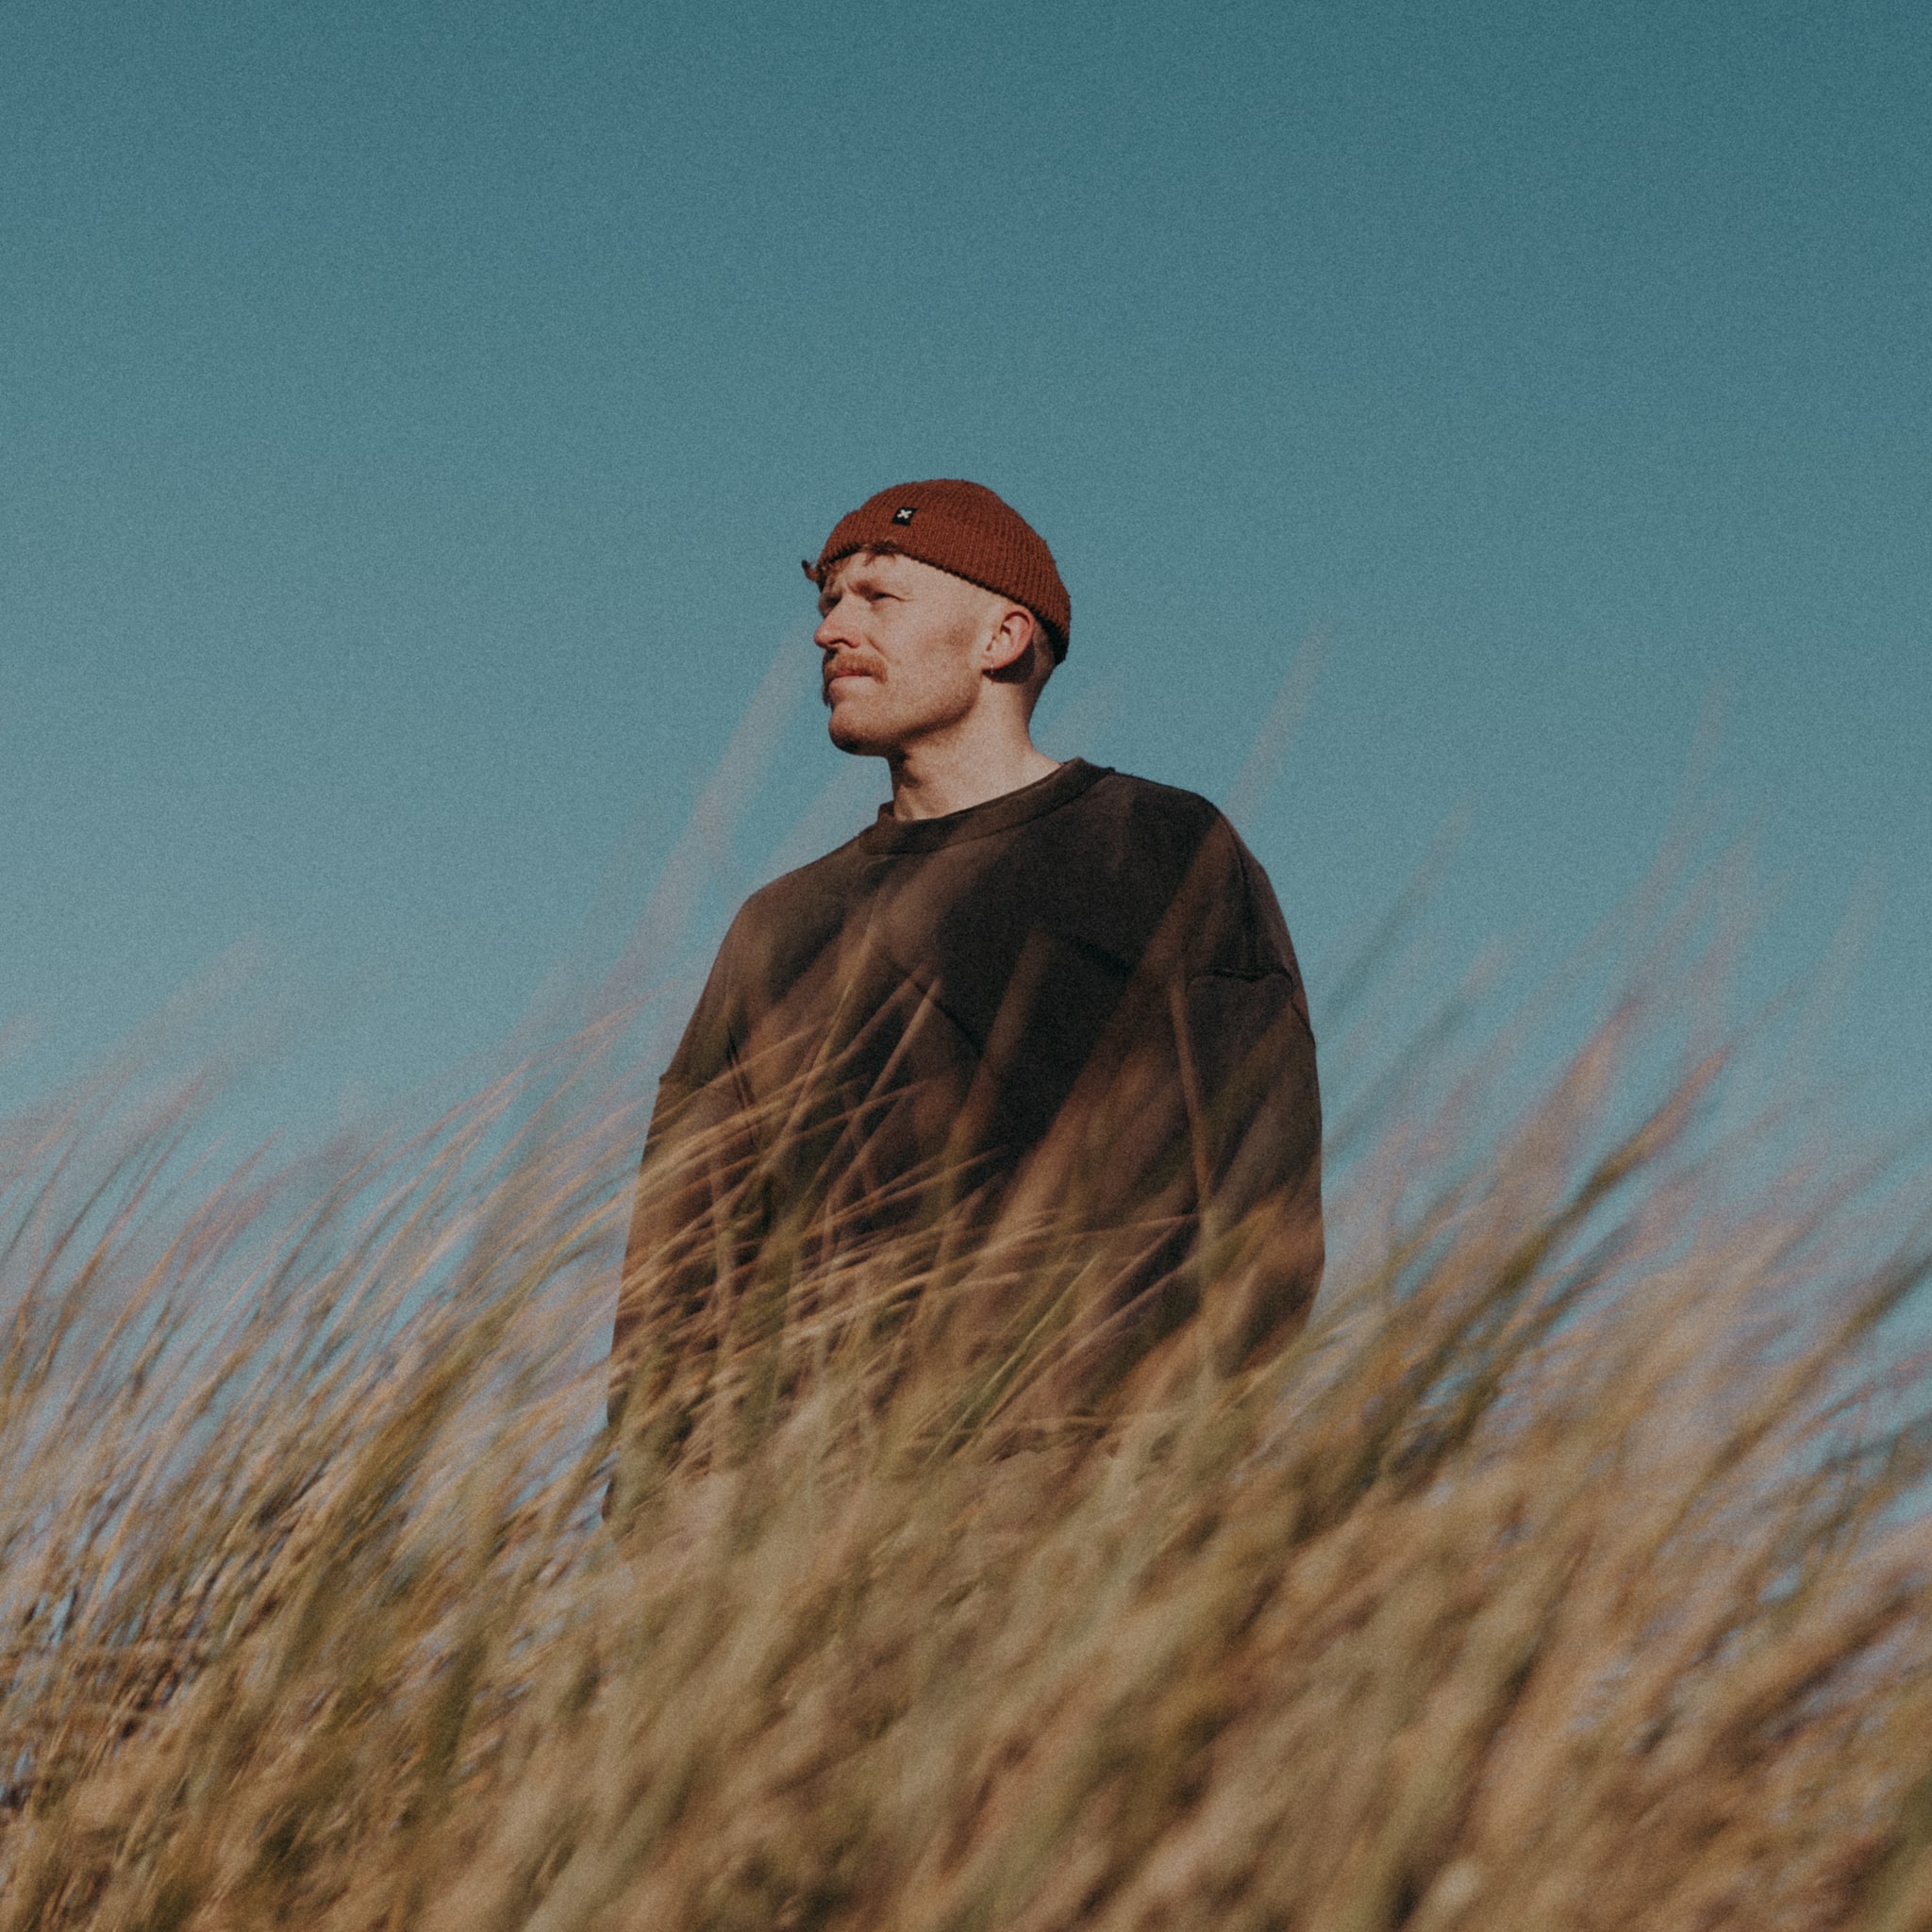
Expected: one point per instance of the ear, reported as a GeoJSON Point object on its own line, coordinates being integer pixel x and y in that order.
{"type": "Point", "coordinates": [1010, 640]}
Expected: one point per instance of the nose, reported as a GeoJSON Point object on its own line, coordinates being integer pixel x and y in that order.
{"type": "Point", "coordinates": [834, 626]}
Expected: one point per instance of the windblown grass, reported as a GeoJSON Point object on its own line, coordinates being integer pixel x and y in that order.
{"type": "Point", "coordinates": [1565, 1571]}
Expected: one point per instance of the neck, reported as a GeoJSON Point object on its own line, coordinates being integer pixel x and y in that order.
{"type": "Point", "coordinates": [953, 773]}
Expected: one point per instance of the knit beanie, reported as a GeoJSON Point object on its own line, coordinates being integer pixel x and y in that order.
{"type": "Point", "coordinates": [964, 530]}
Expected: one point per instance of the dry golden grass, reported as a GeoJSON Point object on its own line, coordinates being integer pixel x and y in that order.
{"type": "Point", "coordinates": [1565, 1573]}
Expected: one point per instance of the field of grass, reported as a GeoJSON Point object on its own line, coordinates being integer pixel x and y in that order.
{"type": "Point", "coordinates": [1567, 1572]}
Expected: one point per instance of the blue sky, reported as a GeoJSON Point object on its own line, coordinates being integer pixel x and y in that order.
{"type": "Point", "coordinates": [411, 417]}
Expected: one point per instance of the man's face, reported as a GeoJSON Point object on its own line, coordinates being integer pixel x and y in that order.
{"type": "Point", "coordinates": [899, 640]}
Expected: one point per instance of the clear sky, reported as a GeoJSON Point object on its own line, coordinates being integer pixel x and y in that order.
{"type": "Point", "coordinates": [412, 415]}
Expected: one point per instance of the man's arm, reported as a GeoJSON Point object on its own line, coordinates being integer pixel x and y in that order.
{"type": "Point", "coordinates": [1255, 1108]}
{"type": "Point", "coordinates": [1192, 1143]}
{"type": "Point", "coordinates": [1255, 1105]}
{"type": "Point", "coordinates": [694, 1158]}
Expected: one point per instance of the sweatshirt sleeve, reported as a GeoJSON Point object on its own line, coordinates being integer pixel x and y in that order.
{"type": "Point", "coordinates": [1254, 1103]}
{"type": "Point", "coordinates": [696, 1152]}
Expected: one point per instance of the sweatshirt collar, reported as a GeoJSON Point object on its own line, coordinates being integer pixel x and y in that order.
{"type": "Point", "coordinates": [1001, 814]}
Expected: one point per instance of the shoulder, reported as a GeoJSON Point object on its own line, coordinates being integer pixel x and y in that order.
{"type": "Point", "coordinates": [785, 923]}
{"type": "Point", "coordinates": [1148, 799]}
{"type": "Point", "coordinates": [1156, 825]}
{"type": "Point", "coordinates": [774, 937]}
{"type": "Point", "coordinates": [1183, 848]}
{"type": "Point", "coordinates": [793, 894]}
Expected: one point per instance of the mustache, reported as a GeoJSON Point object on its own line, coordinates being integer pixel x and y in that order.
{"type": "Point", "coordinates": [840, 667]}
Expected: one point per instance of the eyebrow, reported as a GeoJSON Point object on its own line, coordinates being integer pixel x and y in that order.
{"type": "Point", "coordinates": [860, 579]}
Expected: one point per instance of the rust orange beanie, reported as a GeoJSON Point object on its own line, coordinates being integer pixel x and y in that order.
{"type": "Point", "coordinates": [962, 528]}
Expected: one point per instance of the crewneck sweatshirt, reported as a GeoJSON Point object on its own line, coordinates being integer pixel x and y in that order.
{"type": "Point", "coordinates": [951, 1004]}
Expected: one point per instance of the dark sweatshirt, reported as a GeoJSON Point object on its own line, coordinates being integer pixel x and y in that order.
{"type": "Point", "coordinates": [1081, 992]}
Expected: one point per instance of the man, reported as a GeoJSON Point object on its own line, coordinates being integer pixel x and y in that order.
{"type": "Point", "coordinates": [1032, 1002]}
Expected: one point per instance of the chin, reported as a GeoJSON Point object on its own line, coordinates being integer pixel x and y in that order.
{"type": "Point", "coordinates": [851, 734]}
{"type": "Point", "coordinates": [849, 737]}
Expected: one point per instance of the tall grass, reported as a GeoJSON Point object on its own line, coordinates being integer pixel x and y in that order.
{"type": "Point", "coordinates": [1566, 1570]}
